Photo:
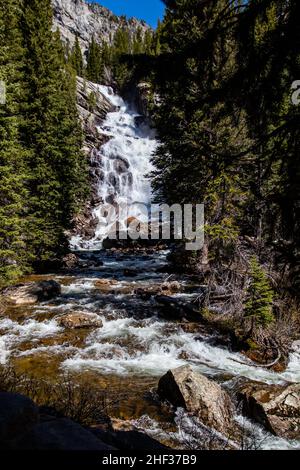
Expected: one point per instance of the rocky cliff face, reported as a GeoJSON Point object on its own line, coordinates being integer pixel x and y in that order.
{"type": "Point", "coordinates": [78, 17]}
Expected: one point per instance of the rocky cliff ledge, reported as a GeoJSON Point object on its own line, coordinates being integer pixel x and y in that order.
{"type": "Point", "coordinates": [87, 19]}
{"type": "Point", "coordinates": [93, 108]}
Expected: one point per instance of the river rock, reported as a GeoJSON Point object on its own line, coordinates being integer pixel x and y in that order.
{"type": "Point", "coordinates": [17, 415]}
{"type": "Point", "coordinates": [70, 261]}
{"type": "Point", "coordinates": [148, 292]}
{"type": "Point", "coordinates": [106, 285]}
{"type": "Point", "coordinates": [170, 287]}
{"type": "Point", "coordinates": [167, 288]}
{"type": "Point", "coordinates": [59, 434]}
{"type": "Point", "coordinates": [80, 320]}
{"type": "Point", "coordinates": [31, 292]}
{"type": "Point", "coordinates": [185, 388]}
{"type": "Point", "coordinates": [277, 408]}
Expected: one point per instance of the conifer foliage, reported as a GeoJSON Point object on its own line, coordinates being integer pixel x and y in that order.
{"type": "Point", "coordinates": [76, 58]}
{"type": "Point", "coordinates": [51, 132]}
{"type": "Point", "coordinates": [94, 68]}
{"type": "Point", "coordinates": [42, 168]}
{"type": "Point", "coordinates": [224, 77]}
{"type": "Point", "coordinates": [259, 302]}
{"type": "Point", "coordinates": [13, 194]}
{"type": "Point", "coordinates": [105, 59]}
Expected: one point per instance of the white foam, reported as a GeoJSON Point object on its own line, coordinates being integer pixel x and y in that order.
{"type": "Point", "coordinates": [159, 346]}
{"type": "Point", "coordinates": [133, 143]}
{"type": "Point", "coordinates": [30, 330]}
{"type": "Point", "coordinates": [263, 439]}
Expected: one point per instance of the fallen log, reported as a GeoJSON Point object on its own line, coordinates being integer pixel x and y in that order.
{"type": "Point", "coordinates": [264, 366]}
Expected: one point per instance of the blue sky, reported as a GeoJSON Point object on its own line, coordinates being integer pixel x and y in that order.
{"type": "Point", "coordinates": [148, 10]}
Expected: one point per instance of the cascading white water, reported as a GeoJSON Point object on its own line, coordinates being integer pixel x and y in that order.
{"type": "Point", "coordinates": [121, 167]}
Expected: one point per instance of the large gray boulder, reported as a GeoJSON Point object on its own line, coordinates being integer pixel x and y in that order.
{"type": "Point", "coordinates": [185, 388]}
{"type": "Point", "coordinates": [17, 415]}
{"type": "Point", "coordinates": [59, 434]}
{"type": "Point", "coordinates": [277, 408]}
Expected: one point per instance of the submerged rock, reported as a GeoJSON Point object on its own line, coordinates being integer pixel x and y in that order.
{"type": "Point", "coordinates": [31, 293]}
{"type": "Point", "coordinates": [147, 292]}
{"type": "Point", "coordinates": [276, 407]}
{"type": "Point", "coordinates": [185, 388]}
{"type": "Point", "coordinates": [121, 165]}
{"type": "Point", "coordinates": [80, 320]}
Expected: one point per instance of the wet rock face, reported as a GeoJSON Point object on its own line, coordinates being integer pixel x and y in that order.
{"type": "Point", "coordinates": [91, 117]}
{"type": "Point", "coordinates": [185, 388]}
{"type": "Point", "coordinates": [31, 293]}
{"type": "Point", "coordinates": [145, 98]}
{"type": "Point", "coordinates": [121, 165]}
{"type": "Point", "coordinates": [80, 320]}
{"type": "Point", "coordinates": [275, 407]}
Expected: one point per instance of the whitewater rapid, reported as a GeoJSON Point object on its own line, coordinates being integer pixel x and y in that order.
{"type": "Point", "coordinates": [135, 343]}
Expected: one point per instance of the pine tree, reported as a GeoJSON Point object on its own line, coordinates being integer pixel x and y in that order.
{"type": "Point", "coordinates": [138, 44]}
{"type": "Point", "coordinates": [148, 44]}
{"type": "Point", "coordinates": [76, 58]}
{"type": "Point", "coordinates": [259, 302]}
{"type": "Point", "coordinates": [13, 175]}
{"type": "Point", "coordinates": [94, 68]}
{"type": "Point", "coordinates": [196, 161]}
{"type": "Point", "coordinates": [122, 48]}
{"type": "Point", "coordinates": [156, 44]}
{"type": "Point", "coordinates": [122, 43]}
{"type": "Point", "coordinates": [51, 133]}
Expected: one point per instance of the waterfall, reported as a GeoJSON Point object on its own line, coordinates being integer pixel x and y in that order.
{"type": "Point", "coordinates": [120, 166]}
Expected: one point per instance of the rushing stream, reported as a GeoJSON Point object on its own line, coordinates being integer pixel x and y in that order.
{"type": "Point", "coordinates": [137, 343]}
